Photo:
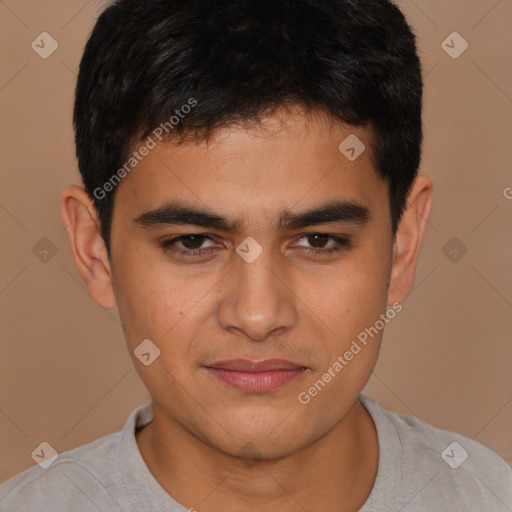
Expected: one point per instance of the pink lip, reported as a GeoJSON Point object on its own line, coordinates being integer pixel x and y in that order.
{"type": "Point", "coordinates": [256, 376]}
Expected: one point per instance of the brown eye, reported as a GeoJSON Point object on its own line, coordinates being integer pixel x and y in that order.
{"type": "Point", "coordinates": [191, 245]}
{"type": "Point", "coordinates": [321, 244]}
{"type": "Point", "coordinates": [192, 241]}
{"type": "Point", "coordinates": [318, 240]}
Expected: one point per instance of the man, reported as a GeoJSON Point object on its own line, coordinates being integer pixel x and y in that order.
{"type": "Point", "coordinates": [252, 206]}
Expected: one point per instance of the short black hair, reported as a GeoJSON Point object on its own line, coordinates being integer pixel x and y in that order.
{"type": "Point", "coordinates": [238, 60]}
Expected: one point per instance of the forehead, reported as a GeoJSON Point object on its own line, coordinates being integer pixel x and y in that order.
{"type": "Point", "coordinates": [286, 159]}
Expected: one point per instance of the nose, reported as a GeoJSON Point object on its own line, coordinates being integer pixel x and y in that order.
{"type": "Point", "coordinates": [258, 301]}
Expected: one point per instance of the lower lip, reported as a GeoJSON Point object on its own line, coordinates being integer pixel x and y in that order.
{"type": "Point", "coordinates": [256, 382]}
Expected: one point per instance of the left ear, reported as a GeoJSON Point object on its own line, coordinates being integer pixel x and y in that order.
{"type": "Point", "coordinates": [406, 247]}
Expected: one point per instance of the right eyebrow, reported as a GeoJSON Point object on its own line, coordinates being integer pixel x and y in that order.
{"type": "Point", "coordinates": [175, 213]}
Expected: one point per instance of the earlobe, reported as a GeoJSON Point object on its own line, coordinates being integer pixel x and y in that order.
{"type": "Point", "coordinates": [88, 248]}
{"type": "Point", "coordinates": [406, 248]}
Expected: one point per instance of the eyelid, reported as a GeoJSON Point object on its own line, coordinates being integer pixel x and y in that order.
{"type": "Point", "coordinates": [340, 242]}
{"type": "Point", "coordinates": [168, 243]}
{"type": "Point", "coordinates": [204, 237]}
{"type": "Point", "coordinates": [337, 239]}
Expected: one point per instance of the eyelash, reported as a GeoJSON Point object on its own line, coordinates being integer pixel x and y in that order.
{"type": "Point", "coordinates": [170, 244]}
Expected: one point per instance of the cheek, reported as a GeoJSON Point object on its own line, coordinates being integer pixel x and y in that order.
{"type": "Point", "coordinates": [352, 309]}
{"type": "Point", "coordinates": [352, 296]}
{"type": "Point", "coordinates": [157, 301]}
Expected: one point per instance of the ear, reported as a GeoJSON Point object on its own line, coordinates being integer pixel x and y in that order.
{"type": "Point", "coordinates": [88, 248]}
{"type": "Point", "coordinates": [406, 247]}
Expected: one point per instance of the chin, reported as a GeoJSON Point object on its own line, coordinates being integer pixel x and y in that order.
{"type": "Point", "coordinates": [261, 434]}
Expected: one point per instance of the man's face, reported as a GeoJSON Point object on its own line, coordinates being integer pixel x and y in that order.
{"type": "Point", "coordinates": [303, 300]}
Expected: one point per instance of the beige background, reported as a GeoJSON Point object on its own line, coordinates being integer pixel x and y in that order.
{"type": "Point", "coordinates": [65, 375]}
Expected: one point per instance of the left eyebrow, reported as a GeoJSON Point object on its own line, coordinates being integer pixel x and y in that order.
{"type": "Point", "coordinates": [341, 211]}
{"type": "Point", "coordinates": [336, 211]}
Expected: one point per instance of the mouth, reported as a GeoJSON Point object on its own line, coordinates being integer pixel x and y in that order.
{"type": "Point", "coordinates": [256, 376]}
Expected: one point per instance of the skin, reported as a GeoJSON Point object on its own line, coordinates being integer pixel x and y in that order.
{"type": "Point", "coordinates": [288, 304]}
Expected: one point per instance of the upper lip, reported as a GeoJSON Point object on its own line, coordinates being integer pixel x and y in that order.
{"type": "Point", "coordinates": [246, 365]}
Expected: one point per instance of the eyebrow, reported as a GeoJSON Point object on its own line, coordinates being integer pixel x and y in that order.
{"type": "Point", "coordinates": [174, 213]}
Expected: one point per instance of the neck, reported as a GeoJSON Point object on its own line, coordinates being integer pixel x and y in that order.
{"type": "Point", "coordinates": [336, 472]}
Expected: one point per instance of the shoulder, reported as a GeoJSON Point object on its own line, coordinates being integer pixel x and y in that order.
{"type": "Point", "coordinates": [80, 478]}
{"type": "Point", "coordinates": [456, 468]}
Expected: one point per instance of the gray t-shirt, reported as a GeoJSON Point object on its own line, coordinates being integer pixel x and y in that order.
{"type": "Point", "coordinates": [420, 469]}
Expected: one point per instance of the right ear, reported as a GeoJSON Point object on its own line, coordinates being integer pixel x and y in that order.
{"type": "Point", "coordinates": [88, 248]}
